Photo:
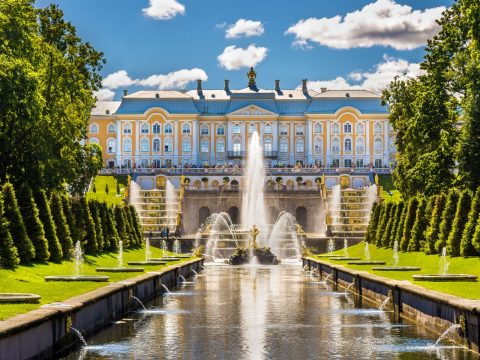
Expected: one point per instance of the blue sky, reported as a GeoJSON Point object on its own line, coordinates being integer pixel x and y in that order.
{"type": "Point", "coordinates": [364, 46]}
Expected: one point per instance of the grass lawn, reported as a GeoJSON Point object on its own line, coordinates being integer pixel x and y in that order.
{"type": "Point", "coordinates": [430, 264]}
{"type": "Point", "coordinates": [111, 198]}
{"type": "Point", "coordinates": [390, 193]}
{"type": "Point", "coordinates": [29, 279]}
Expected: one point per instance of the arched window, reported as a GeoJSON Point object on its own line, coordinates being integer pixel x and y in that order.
{"type": "Point", "coordinates": [111, 146]}
{"type": "Point", "coordinates": [237, 146]}
{"type": "Point", "coordinates": [284, 130]}
{"type": "Point", "coordinates": [252, 128]}
{"type": "Point", "coordinates": [111, 128]}
{"type": "Point", "coordinates": [186, 128]}
{"type": "Point", "coordinates": [360, 128]}
{"type": "Point", "coordinates": [267, 145]}
{"type": "Point", "coordinates": [94, 129]}
{"type": "Point", "coordinates": [204, 146]}
{"type": "Point", "coordinates": [144, 145]}
{"type": "Point", "coordinates": [144, 128]}
{"type": "Point", "coordinates": [93, 141]}
{"type": "Point", "coordinates": [348, 145]}
{"type": "Point", "coordinates": [220, 130]}
{"type": "Point", "coordinates": [127, 129]}
{"type": "Point", "coordinates": [359, 163]}
{"type": "Point", "coordinates": [127, 145]}
{"type": "Point", "coordinates": [318, 128]}
{"type": "Point", "coordinates": [318, 147]}
{"type": "Point", "coordinates": [236, 129]}
{"type": "Point", "coordinates": [168, 129]}
{"type": "Point", "coordinates": [336, 146]}
{"type": "Point", "coordinates": [335, 128]}
{"type": "Point", "coordinates": [378, 146]}
{"type": "Point", "coordinates": [204, 130]}
{"type": "Point", "coordinates": [377, 129]}
{"type": "Point", "coordinates": [360, 146]}
{"type": "Point", "coordinates": [267, 129]}
{"type": "Point", "coordinates": [284, 146]}
{"type": "Point", "coordinates": [347, 128]}
{"type": "Point", "coordinates": [220, 146]}
{"type": "Point", "coordinates": [156, 145]}
{"type": "Point", "coordinates": [168, 145]}
{"type": "Point", "coordinates": [299, 130]}
{"type": "Point", "coordinates": [299, 146]}
{"type": "Point", "coordinates": [186, 147]}
{"type": "Point", "coordinates": [156, 128]}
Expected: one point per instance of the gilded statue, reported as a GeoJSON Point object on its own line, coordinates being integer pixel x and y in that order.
{"type": "Point", "coordinates": [253, 237]}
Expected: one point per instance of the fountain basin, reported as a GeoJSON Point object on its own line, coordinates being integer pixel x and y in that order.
{"type": "Point", "coordinates": [19, 298]}
{"type": "Point", "coordinates": [120, 269]}
{"type": "Point", "coordinates": [147, 263]}
{"type": "Point", "coordinates": [165, 259]}
{"type": "Point", "coordinates": [94, 278]}
{"type": "Point", "coordinates": [329, 256]}
{"type": "Point", "coordinates": [366, 262]}
{"type": "Point", "coordinates": [344, 258]}
{"type": "Point", "coordinates": [397, 268]}
{"type": "Point", "coordinates": [446, 277]}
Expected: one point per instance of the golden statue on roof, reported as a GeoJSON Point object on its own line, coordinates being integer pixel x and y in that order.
{"type": "Point", "coordinates": [251, 77]}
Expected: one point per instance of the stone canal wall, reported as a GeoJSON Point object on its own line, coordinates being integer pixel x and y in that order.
{"type": "Point", "coordinates": [434, 310]}
{"type": "Point", "coordinates": [46, 332]}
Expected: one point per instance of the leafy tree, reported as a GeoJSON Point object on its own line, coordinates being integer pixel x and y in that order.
{"type": "Point", "coordinates": [33, 224]}
{"type": "Point", "coordinates": [67, 210]}
{"type": "Point", "coordinates": [26, 251]}
{"type": "Point", "coordinates": [8, 252]}
{"type": "Point", "coordinates": [382, 225]}
{"type": "Point", "coordinates": [63, 230]}
{"type": "Point", "coordinates": [95, 212]}
{"type": "Point", "coordinates": [110, 234]}
{"type": "Point", "coordinates": [476, 236]}
{"type": "Point", "coordinates": [54, 246]}
{"type": "Point", "coordinates": [433, 230]}
{"type": "Point", "coordinates": [466, 246]}
{"type": "Point", "coordinates": [122, 226]}
{"type": "Point", "coordinates": [118, 189]}
{"type": "Point", "coordinates": [461, 216]}
{"type": "Point", "coordinates": [90, 240]}
{"type": "Point", "coordinates": [401, 224]}
{"type": "Point", "coordinates": [372, 224]}
{"type": "Point", "coordinates": [136, 224]}
{"type": "Point", "coordinates": [417, 240]}
{"type": "Point", "coordinates": [79, 219]}
{"type": "Point", "coordinates": [393, 231]}
{"type": "Point", "coordinates": [94, 189]}
{"type": "Point", "coordinates": [448, 215]}
{"type": "Point", "coordinates": [408, 224]}
{"type": "Point", "coordinates": [388, 229]}
{"type": "Point", "coordinates": [129, 225]}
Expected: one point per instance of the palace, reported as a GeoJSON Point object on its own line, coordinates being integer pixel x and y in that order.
{"type": "Point", "coordinates": [330, 128]}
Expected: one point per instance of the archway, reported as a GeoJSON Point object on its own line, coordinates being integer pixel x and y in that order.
{"type": "Point", "coordinates": [203, 214]}
{"type": "Point", "coordinates": [301, 216]}
{"type": "Point", "coordinates": [234, 213]}
{"type": "Point", "coordinates": [272, 214]}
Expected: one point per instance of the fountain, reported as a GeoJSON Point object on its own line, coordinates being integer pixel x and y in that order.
{"type": "Point", "coordinates": [367, 260]}
{"type": "Point", "coordinates": [345, 253]}
{"type": "Point", "coordinates": [138, 301]}
{"type": "Point", "coordinates": [335, 204]}
{"type": "Point", "coordinates": [348, 287]}
{"type": "Point", "coordinates": [444, 276]}
{"type": "Point", "coordinates": [447, 332]}
{"type": "Point", "coordinates": [223, 237]}
{"type": "Point", "coordinates": [384, 303]}
{"type": "Point", "coordinates": [120, 267]}
{"type": "Point", "coordinates": [166, 288]}
{"type": "Point", "coordinates": [395, 266]}
{"type": "Point", "coordinates": [253, 254]}
{"type": "Point", "coordinates": [330, 250]}
{"type": "Point", "coordinates": [284, 240]}
{"type": "Point", "coordinates": [149, 261]}
{"type": "Point", "coordinates": [79, 335]}
{"type": "Point", "coordinates": [78, 256]}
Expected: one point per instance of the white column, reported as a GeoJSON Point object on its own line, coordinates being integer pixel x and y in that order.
{"type": "Point", "coordinates": [244, 133]}
{"type": "Point", "coordinates": [308, 142]}
{"type": "Point", "coordinates": [176, 137]}
{"type": "Point", "coordinates": [386, 146]}
{"type": "Point", "coordinates": [137, 142]}
{"type": "Point", "coordinates": [291, 132]}
{"type": "Point", "coordinates": [367, 142]}
{"type": "Point", "coordinates": [328, 148]}
{"type": "Point", "coordinates": [213, 148]}
{"type": "Point", "coordinates": [194, 142]}
{"type": "Point", "coordinates": [119, 143]}
{"type": "Point", "coordinates": [229, 133]}
{"type": "Point", "coordinates": [262, 132]}
{"type": "Point", "coordinates": [275, 136]}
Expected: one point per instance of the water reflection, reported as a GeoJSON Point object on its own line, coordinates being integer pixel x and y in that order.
{"type": "Point", "coordinates": [263, 313]}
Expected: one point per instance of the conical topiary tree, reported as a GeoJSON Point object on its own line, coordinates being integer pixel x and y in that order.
{"type": "Point", "coordinates": [112, 228]}
{"type": "Point", "coordinates": [16, 226]}
{"type": "Point", "coordinates": [372, 224]}
{"type": "Point", "coordinates": [67, 211]}
{"type": "Point", "coordinates": [408, 224]}
{"type": "Point", "coordinates": [79, 218]}
{"type": "Point", "coordinates": [94, 211]}
{"type": "Point", "coordinates": [54, 246]}
{"type": "Point", "coordinates": [8, 252]}
{"type": "Point", "coordinates": [393, 231]}
{"type": "Point", "coordinates": [122, 226]}
{"type": "Point", "coordinates": [33, 224]}
{"type": "Point", "coordinates": [128, 222]}
{"type": "Point", "coordinates": [90, 240]}
{"type": "Point", "coordinates": [401, 224]}
{"type": "Point", "coordinates": [136, 223]}
{"type": "Point", "coordinates": [63, 231]}
{"type": "Point", "coordinates": [388, 228]}
{"type": "Point", "coordinates": [461, 216]}
{"type": "Point", "coordinates": [466, 246]}
{"type": "Point", "coordinates": [433, 230]}
{"type": "Point", "coordinates": [383, 223]}
{"type": "Point", "coordinates": [417, 240]}
{"type": "Point", "coordinates": [448, 215]}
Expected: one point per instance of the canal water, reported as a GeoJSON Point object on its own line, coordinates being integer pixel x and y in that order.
{"type": "Point", "coordinates": [276, 312]}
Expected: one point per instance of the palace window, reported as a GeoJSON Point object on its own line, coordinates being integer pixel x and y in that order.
{"type": "Point", "coordinates": [348, 145]}
{"type": "Point", "coordinates": [220, 130]}
{"type": "Point", "coordinates": [378, 146]}
{"type": "Point", "coordinates": [347, 128]}
{"type": "Point", "coordinates": [236, 129]}
{"type": "Point", "coordinates": [204, 130]}
{"type": "Point", "coordinates": [168, 129]}
{"type": "Point", "coordinates": [168, 146]}
{"type": "Point", "coordinates": [144, 128]}
{"type": "Point", "coordinates": [267, 129]}
{"type": "Point", "coordinates": [237, 146]}
{"type": "Point", "coordinates": [156, 145]}
{"type": "Point", "coordinates": [284, 146]}
{"type": "Point", "coordinates": [335, 163]}
{"type": "Point", "coordinates": [111, 148]}
{"type": "Point", "coordinates": [336, 146]}
{"type": "Point", "coordinates": [360, 128]}
{"type": "Point", "coordinates": [378, 163]}
{"type": "Point", "coordinates": [156, 128]}
{"type": "Point", "coordinates": [317, 129]}
{"type": "Point", "coordinates": [299, 130]}
{"type": "Point", "coordinates": [127, 129]}
{"type": "Point", "coordinates": [93, 141]}
{"type": "Point", "coordinates": [144, 145]}
{"type": "Point", "coordinates": [359, 163]}
{"type": "Point", "coordinates": [204, 146]}
{"type": "Point", "coordinates": [318, 147]}
{"type": "Point", "coordinates": [94, 129]}
{"type": "Point", "coordinates": [220, 146]}
{"type": "Point", "coordinates": [283, 130]}
{"type": "Point", "coordinates": [267, 146]}
{"type": "Point", "coordinates": [335, 128]}
{"type": "Point", "coordinates": [360, 146]}
{"type": "Point", "coordinates": [111, 128]}
{"type": "Point", "coordinates": [186, 128]}
{"type": "Point", "coordinates": [186, 145]}
{"type": "Point", "coordinates": [252, 128]}
{"type": "Point", "coordinates": [156, 163]}
{"type": "Point", "coordinates": [377, 129]}
{"type": "Point", "coordinates": [144, 163]}
{"type": "Point", "coordinates": [347, 163]}
{"type": "Point", "coordinates": [127, 145]}
{"type": "Point", "coordinates": [299, 146]}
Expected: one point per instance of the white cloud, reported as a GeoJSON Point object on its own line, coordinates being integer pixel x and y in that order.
{"type": "Point", "coordinates": [245, 28]}
{"type": "Point", "coordinates": [164, 9]}
{"type": "Point", "coordinates": [221, 25]}
{"type": "Point", "coordinates": [118, 79]}
{"type": "Point", "coordinates": [383, 23]}
{"type": "Point", "coordinates": [174, 80]}
{"type": "Point", "coordinates": [376, 80]}
{"type": "Point", "coordinates": [104, 94]}
{"type": "Point", "coordinates": [234, 58]}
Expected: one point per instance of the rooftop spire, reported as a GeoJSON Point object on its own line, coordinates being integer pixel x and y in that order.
{"type": "Point", "coordinates": [251, 78]}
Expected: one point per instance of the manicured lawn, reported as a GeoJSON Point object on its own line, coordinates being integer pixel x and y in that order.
{"type": "Point", "coordinates": [30, 279]}
{"type": "Point", "coordinates": [390, 193]}
{"type": "Point", "coordinates": [430, 264]}
{"type": "Point", "coordinates": [111, 198]}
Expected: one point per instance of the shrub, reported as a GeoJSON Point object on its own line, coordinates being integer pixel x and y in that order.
{"type": "Point", "coordinates": [33, 224]}
{"type": "Point", "coordinates": [136, 223]}
{"type": "Point", "coordinates": [110, 235]}
{"type": "Point", "coordinates": [401, 224]}
{"type": "Point", "coordinates": [8, 252]}
{"type": "Point", "coordinates": [95, 213]}
{"type": "Point", "coordinates": [372, 227]}
{"type": "Point", "coordinates": [16, 226]}
{"type": "Point", "coordinates": [134, 241]}
{"type": "Point", "coordinates": [54, 246]}
{"type": "Point", "coordinates": [90, 240]}
{"type": "Point", "coordinates": [79, 220]}
{"type": "Point", "coordinates": [461, 216]}
{"type": "Point", "coordinates": [467, 247]}
{"type": "Point", "coordinates": [393, 232]}
{"type": "Point", "coordinates": [67, 211]}
{"type": "Point", "coordinates": [448, 215]}
{"type": "Point", "coordinates": [106, 189]}
{"type": "Point", "coordinates": [433, 230]}
{"type": "Point", "coordinates": [378, 222]}
{"type": "Point", "coordinates": [118, 189]}
{"type": "Point", "coordinates": [389, 226]}
{"type": "Point", "coordinates": [409, 222]}
{"type": "Point", "coordinates": [382, 225]}
{"type": "Point", "coordinates": [417, 239]}
{"type": "Point", "coordinates": [121, 226]}
{"type": "Point", "coordinates": [63, 231]}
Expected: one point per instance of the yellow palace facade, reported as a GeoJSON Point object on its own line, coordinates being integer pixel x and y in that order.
{"type": "Point", "coordinates": [330, 128]}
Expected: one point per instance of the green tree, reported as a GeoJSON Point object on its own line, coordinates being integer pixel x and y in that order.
{"type": "Point", "coordinates": [408, 224]}
{"type": "Point", "coordinates": [136, 224]}
{"type": "Point", "coordinates": [433, 230]}
{"type": "Point", "coordinates": [95, 212]}
{"type": "Point", "coordinates": [8, 252]}
{"type": "Point", "coordinates": [90, 240]}
{"type": "Point", "coordinates": [88, 161]}
{"type": "Point", "coordinates": [401, 224]}
{"type": "Point", "coordinates": [67, 210]}
{"type": "Point", "coordinates": [129, 227]}
{"type": "Point", "coordinates": [417, 240]}
{"type": "Point", "coordinates": [388, 229]}
{"type": "Point", "coordinates": [448, 215]}
{"type": "Point", "coordinates": [54, 246]}
{"type": "Point", "coordinates": [79, 219]}
{"type": "Point", "coordinates": [106, 189]}
{"type": "Point", "coordinates": [63, 230]}
{"type": "Point", "coordinates": [458, 226]}
{"type": "Point", "coordinates": [466, 245]}
{"type": "Point", "coordinates": [398, 215]}
{"type": "Point", "coordinates": [112, 228]}
{"type": "Point", "coordinates": [118, 189]}
{"type": "Point", "coordinates": [122, 226]}
{"type": "Point", "coordinates": [26, 251]}
{"type": "Point", "coordinates": [33, 224]}
{"type": "Point", "coordinates": [382, 225]}
{"type": "Point", "coordinates": [372, 224]}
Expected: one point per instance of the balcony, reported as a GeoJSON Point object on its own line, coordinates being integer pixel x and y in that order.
{"type": "Point", "coordinates": [243, 154]}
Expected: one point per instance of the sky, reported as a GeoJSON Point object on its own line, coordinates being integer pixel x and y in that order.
{"type": "Point", "coordinates": [169, 44]}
